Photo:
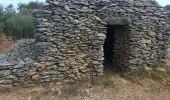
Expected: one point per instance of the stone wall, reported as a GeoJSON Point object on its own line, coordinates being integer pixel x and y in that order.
{"type": "Point", "coordinates": [121, 48]}
{"type": "Point", "coordinates": [16, 62]}
{"type": "Point", "coordinates": [70, 35]}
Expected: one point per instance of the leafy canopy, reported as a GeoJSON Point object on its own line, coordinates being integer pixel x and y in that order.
{"type": "Point", "coordinates": [18, 23]}
{"type": "Point", "coordinates": [167, 7]}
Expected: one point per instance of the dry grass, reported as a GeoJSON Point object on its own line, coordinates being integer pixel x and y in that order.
{"type": "Point", "coordinates": [160, 75]}
{"type": "Point", "coordinates": [5, 42]}
{"type": "Point", "coordinates": [36, 92]}
{"type": "Point", "coordinates": [111, 86]}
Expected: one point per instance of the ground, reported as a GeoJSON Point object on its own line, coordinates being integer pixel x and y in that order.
{"type": "Point", "coordinates": [111, 86]}
{"type": "Point", "coordinates": [5, 42]}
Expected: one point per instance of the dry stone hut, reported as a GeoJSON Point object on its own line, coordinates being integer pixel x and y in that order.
{"type": "Point", "coordinates": [76, 37]}
{"type": "Point", "coordinates": [127, 33]}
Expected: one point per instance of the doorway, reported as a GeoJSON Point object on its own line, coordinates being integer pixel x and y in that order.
{"type": "Point", "coordinates": [115, 47]}
{"type": "Point", "coordinates": [109, 46]}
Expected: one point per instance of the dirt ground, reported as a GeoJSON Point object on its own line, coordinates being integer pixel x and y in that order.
{"type": "Point", "coordinates": [107, 87]}
{"type": "Point", "coordinates": [5, 42]}
{"type": "Point", "coordinates": [125, 90]}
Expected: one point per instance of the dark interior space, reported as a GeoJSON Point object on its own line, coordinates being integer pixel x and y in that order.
{"type": "Point", "coordinates": [115, 47]}
{"type": "Point", "coordinates": [109, 45]}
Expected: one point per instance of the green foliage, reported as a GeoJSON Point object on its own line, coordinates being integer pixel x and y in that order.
{"type": "Point", "coordinates": [167, 7]}
{"type": "Point", "coordinates": [108, 83]}
{"type": "Point", "coordinates": [10, 9]}
{"type": "Point", "coordinates": [1, 18]}
{"type": "Point", "coordinates": [1, 10]}
{"type": "Point", "coordinates": [2, 26]}
{"type": "Point", "coordinates": [28, 8]}
{"type": "Point", "coordinates": [18, 24]}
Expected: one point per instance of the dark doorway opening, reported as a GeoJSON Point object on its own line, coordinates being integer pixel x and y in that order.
{"type": "Point", "coordinates": [109, 46]}
{"type": "Point", "coordinates": [116, 47]}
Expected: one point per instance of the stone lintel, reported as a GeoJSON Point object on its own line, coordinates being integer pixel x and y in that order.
{"type": "Point", "coordinates": [118, 20]}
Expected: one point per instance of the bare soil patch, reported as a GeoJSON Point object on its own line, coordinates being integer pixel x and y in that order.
{"type": "Point", "coordinates": [5, 42]}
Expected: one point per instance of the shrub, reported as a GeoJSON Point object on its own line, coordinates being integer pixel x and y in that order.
{"type": "Point", "coordinates": [167, 7]}
{"type": "Point", "coordinates": [19, 26]}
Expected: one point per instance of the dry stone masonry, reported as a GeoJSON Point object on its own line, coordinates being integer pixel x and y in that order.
{"type": "Point", "coordinates": [71, 40]}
